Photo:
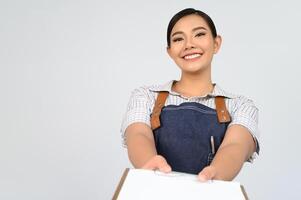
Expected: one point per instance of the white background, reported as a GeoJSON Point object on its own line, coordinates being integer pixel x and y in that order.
{"type": "Point", "coordinates": [67, 69]}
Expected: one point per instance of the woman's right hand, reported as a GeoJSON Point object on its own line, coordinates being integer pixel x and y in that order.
{"type": "Point", "coordinates": [157, 162]}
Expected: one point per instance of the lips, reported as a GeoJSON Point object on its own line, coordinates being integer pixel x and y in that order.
{"type": "Point", "coordinates": [191, 56]}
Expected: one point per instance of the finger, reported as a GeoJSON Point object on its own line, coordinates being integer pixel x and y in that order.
{"type": "Point", "coordinates": [162, 164]}
{"type": "Point", "coordinates": [153, 163]}
{"type": "Point", "coordinates": [164, 167]}
{"type": "Point", "coordinates": [149, 165]}
{"type": "Point", "coordinates": [157, 162]}
{"type": "Point", "coordinates": [206, 174]}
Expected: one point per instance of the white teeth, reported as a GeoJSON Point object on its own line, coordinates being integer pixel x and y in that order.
{"type": "Point", "coordinates": [192, 56]}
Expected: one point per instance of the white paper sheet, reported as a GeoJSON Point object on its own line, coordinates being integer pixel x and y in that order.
{"type": "Point", "coordinates": [149, 185]}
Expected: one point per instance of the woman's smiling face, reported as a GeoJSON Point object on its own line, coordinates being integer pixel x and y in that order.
{"type": "Point", "coordinates": [192, 44]}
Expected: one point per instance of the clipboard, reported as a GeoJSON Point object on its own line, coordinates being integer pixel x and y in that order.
{"type": "Point", "coordinates": [128, 184]}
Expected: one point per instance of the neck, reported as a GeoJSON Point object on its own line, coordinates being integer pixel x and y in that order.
{"type": "Point", "coordinates": [194, 84]}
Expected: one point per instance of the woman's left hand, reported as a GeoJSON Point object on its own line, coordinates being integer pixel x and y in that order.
{"type": "Point", "coordinates": [208, 173]}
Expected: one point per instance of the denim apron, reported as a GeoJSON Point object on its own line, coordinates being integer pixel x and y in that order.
{"type": "Point", "coordinates": [185, 134]}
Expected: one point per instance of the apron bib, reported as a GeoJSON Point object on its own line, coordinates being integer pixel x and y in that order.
{"type": "Point", "coordinates": [184, 134]}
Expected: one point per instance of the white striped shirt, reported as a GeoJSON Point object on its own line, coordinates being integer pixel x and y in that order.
{"type": "Point", "coordinates": [242, 110]}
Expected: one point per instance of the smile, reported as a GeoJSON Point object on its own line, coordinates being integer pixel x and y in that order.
{"type": "Point", "coordinates": [192, 56]}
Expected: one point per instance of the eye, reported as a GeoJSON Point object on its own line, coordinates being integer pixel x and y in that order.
{"type": "Point", "coordinates": [200, 34]}
{"type": "Point", "coordinates": [177, 39]}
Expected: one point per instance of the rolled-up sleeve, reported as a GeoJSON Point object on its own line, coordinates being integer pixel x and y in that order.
{"type": "Point", "coordinates": [245, 113]}
{"type": "Point", "coordinates": [138, 110]}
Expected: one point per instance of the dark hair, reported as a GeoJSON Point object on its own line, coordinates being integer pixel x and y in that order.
{"type": "Point", "coordinates": [185, 12]}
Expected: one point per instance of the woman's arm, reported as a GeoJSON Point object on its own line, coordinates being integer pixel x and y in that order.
{"type": "Point", "coordinates": [238, 146]}
{"type": "Point", "coordinates": [141, 148]}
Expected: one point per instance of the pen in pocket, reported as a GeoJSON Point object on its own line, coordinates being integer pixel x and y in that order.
{"type": "Point", "coordinates": [212, 145]}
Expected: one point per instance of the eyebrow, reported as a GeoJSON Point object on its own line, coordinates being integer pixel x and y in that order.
{"type": "Point", "coordinates": [194, 29]}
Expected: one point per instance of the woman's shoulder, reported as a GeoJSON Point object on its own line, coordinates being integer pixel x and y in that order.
{"type": "Point", "coordinates": [235, 100]}
{"type": "Point", "coordinates": [152, 90]}
{"type": "Point", "coordinates": [219, 91]}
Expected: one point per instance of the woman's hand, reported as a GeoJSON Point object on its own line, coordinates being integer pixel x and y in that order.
{"type": "Point", "coordinates": [208, 173]}
{"type": "Point", "coordinates": [157, 162]}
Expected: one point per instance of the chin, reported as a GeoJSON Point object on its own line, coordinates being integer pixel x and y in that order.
{"type": "Point", "coordinates": [193, 69]}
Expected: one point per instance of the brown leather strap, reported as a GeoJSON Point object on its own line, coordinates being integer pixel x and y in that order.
{"type": "Point", "coordinates": [221, 110]}
{"type": "Point", "coordinates": [160, 102]}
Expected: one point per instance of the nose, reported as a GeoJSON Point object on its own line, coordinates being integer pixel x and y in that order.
{"type": "Point", "coordinates": [189, 44]}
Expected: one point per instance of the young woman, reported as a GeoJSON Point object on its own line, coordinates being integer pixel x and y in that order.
{"type": "Point", "coordinates": [191, 125]}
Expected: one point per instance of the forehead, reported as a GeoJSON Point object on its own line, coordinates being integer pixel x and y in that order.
{"type": "Point", "coordinates": [189, 22]}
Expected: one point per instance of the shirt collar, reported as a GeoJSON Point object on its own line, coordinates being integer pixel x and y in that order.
{"type": "Point", "coordinates": [217, 90]}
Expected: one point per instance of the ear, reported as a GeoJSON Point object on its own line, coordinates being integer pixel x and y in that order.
{"type": "Point", "coordinates": [217, 43]}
